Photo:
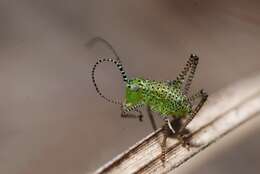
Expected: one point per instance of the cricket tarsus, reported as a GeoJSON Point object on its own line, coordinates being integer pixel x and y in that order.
{"type": "Point", "coordinates": [170, 99]}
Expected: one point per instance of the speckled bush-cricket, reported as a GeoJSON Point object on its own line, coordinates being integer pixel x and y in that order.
{"type": "Point", "coordinates": [168, 98]}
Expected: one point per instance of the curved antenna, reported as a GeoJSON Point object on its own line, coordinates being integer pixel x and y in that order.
{"type": "Point", "coordinates": [120, 68]}
{"type": "Point", "coordinates": [94, 40]}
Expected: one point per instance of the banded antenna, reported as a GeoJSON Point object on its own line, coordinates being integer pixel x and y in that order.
{"type": "Point", "coordinates": [120, 68]}
{"type": "Point", "coordinates": [97, 39]}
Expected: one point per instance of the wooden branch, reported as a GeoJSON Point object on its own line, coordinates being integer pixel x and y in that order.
{"type": "Point", "coordinates": [223, 112]}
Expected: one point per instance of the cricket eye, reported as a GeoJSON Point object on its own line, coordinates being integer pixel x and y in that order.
{"type": "Point", "coordinates": [134, 87]}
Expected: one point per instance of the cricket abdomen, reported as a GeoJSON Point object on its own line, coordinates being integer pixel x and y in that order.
{"type": "Point", "coordinates": [165, 99]}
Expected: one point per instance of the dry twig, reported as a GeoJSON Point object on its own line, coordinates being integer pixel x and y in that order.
{"type": "Point", "coordinates": [223, 112]}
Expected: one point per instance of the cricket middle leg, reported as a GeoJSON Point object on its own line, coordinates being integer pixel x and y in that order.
{"type": "Point", "coordinates": [151, 117]}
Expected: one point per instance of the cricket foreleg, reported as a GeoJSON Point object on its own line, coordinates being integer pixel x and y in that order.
{"type": "Point", "coordinates": [125, 112]}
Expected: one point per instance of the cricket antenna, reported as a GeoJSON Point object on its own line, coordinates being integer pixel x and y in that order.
{"type": "Point", "coordinates": [94, 40]}
{"type": "Point", "coordinates": [120, 68]}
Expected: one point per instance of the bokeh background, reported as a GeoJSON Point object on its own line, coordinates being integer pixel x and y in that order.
{"type": "Point", "coordinates": [51, 119]}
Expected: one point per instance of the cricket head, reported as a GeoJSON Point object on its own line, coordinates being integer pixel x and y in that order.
{"type": "Point", "coordinates": [133, 93]}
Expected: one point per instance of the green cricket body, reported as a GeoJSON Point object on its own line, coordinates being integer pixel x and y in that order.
{"type": "Point", "coordinates": [165, 99]}
{"type": "Point", "coordinates": [169, 99]}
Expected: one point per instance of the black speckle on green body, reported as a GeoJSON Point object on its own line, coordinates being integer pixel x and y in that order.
{"type": "Point", "coordinates": [161, 97]}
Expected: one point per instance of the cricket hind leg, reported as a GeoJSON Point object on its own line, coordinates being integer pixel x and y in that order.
{"type": "Point", "coordinates": [193, 66]}
{"type": "Point", "coordinates": [189, 70]}
{"type": "Point", "coordinates": [125, 112]}
{"type": "Point", "coordinates": [179, 125]}
{"type": "Point", "coordinates": [203, 95]}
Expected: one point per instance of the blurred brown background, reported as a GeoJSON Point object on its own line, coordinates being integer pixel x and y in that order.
{"type": "Point", "coordinates": [51, 119]}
